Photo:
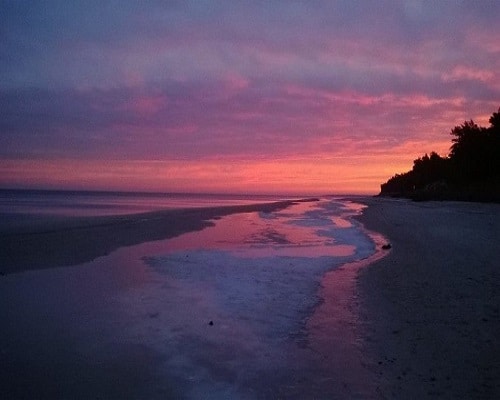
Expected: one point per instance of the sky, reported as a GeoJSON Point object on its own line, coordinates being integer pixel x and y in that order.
{"type": "Point", "coordinates": [276, 96]}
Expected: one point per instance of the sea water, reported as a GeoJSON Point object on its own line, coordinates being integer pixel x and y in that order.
{"type": "Point", "coordinates": [216, 314]}
{"type": "Point", "coordinates": [99, 203]}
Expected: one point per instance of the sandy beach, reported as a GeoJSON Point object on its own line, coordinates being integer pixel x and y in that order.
{"type": "Point", "coordinates": [416, 321]}
{"type": "Point", "coordinates": [431, 308]}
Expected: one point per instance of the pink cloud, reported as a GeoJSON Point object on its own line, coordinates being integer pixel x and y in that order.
{"type": "Point", "coordinates": [470, 73]}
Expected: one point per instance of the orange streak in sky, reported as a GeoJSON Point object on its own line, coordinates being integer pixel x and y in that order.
{"type": "Point", "coordinates": [360, 174]}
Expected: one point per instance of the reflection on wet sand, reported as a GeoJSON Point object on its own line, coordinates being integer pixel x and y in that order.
{"type": "Point", "coordinates": [225, 312]}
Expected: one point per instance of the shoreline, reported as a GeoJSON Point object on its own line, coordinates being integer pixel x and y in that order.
{"type": "Point", "coordinates": [40, 242]}
{"type": "Point", "coordinates": [417, 321]}
{"type": "Point", "coordinates": [40, 309]}
{"type": "Point", "coordinates": [430, 308]}
{"type": "Point", "coordinates": [334, 326]}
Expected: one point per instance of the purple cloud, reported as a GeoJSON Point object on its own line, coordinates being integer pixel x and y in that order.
{"type": "Point", "coordinates": [229, 80]}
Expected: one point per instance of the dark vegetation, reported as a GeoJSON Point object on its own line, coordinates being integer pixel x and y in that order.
{"type": "Point", "coordinates": [471, 171]}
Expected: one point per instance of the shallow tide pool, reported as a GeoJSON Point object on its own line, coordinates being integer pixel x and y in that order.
{"type": "Point", "coordinates": [218, 313]}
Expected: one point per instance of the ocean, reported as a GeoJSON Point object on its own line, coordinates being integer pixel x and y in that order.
{"type": "Point", "coordinates": [99, 203]}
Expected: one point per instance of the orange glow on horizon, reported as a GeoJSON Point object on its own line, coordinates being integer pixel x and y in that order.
{"type": "Point", "coordinates": [359, 174]}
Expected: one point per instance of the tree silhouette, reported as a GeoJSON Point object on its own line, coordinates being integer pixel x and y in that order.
{"type": "Point", "coordinates": [470, 152]}
{"type": "Point", "coordinates": [471, 171]}
{"type": "Point", "coordinates": [495, 122]}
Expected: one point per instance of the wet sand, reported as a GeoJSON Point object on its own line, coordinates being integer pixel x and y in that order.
{"type": "Point", "coordinates": [109, 328]}
{"type": "Point", "coordinates": [61, 334]}
{"type": "Point", "coordinates": [36, 242]}
{"type": "Point", "coordinates": [431, 308]}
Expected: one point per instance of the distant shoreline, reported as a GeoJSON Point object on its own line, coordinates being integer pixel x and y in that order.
{"type": "Point", "coordinates": [478, 193]}
{"type": "Point", "coordinates": [92, 192]}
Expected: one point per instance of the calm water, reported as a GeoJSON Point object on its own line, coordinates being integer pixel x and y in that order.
{"type": "Point", "coordinates": [215, 314]}
{"type": "Point", "coordinates": [79, 203]}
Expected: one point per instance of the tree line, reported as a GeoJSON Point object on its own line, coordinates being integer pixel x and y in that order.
{"type": "Point", "coordinates": [471, 171]}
